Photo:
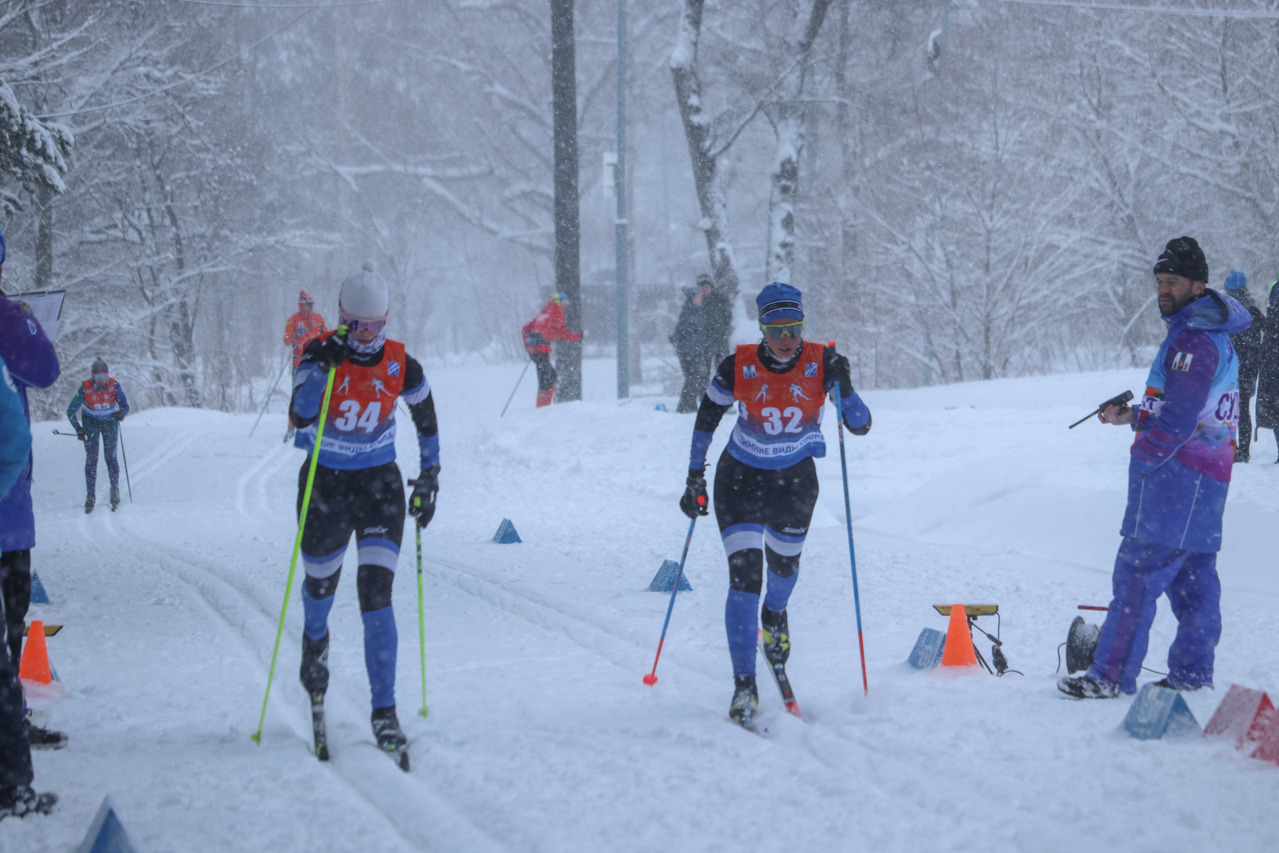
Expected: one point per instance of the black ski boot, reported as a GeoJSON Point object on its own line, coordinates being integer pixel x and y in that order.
{"type": "Point", "coordinates": [390, 737]}
{"type": "Point", "coordinates": [1083, 687]}
{"type": "Point", "coordinates": [314, 675]}
{"type": "Point", "coordinates": [315, 665]}
{"type": "Point", "coordinates": [745, 701]}
{"type": "Point", "coordinates": [21, 800]}
{"type": "Point", "coordinates": [115, 498]}
{"type": "Point", "coordinates": [776, 636]}
{"type": "Point", "coordinates": [88, 503]}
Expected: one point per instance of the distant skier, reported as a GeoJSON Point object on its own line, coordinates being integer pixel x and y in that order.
{"type": "Point", "coordinates": [358, 487]}
{"type": "Point", "coordinates": [102, 404]}
{"type": "Point", "coordinates": [689, 339]}
{"type": "Point", "coordinates": [302, 328]}
{"type": "Point", "coordinates": [1248, 348]}
{"type": "Point", "coordinates": [17, 799]}
{"type": "Point", "coordinates": [1268, 369]}
{"type": "Point", "coordinates": [539, 333]}
{"type": "Point", "coordinates": [1178, 476]}
{"type": "Point", "coordinates": [766, 483]}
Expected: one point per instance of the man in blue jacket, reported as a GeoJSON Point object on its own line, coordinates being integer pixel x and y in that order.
{"type": "Point", "coordinates": [1178, 476]}
{"type": "Point", "coordinates": [32, 363]}
{"type": "Point", "coordinates": [17, 799]}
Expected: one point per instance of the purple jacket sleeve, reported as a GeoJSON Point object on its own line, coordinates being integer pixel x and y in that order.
{"type": "Point", "coordinates": [1185, 394]}
{"type": "Point", "coordinates": [25, 348]}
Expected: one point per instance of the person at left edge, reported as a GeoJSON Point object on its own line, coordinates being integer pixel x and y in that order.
{"type": "Point", "coordinates": [17, 799]}
{"type": "Point", "coordinates": [101, 403]}
{"type": "Point", "coordinates": [32, 363]}
{"type": "Point", "coordinates": [766, 482]}
{"type": "Point", "coordinates": [358, 488]}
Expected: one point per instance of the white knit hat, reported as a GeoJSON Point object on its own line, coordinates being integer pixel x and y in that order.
{"type": "Point", "coordinates": [364, 295]}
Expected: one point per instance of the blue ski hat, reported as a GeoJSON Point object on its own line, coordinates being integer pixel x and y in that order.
{"type": "Point", "coordinates": [1235, 280]}
{"type": "Point", "coordinates": [779, 302]}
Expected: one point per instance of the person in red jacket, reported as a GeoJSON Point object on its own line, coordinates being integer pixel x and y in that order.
{"type": "Point", "coordinates": [539, 333]}
{"type": "Point", "coordinates": [302, 328]}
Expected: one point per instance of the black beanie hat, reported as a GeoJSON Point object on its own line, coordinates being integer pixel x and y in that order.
{"type": "Point", "coordinates": [1183, 257]}
{"type": "Point", "coordinates": [99, 366]}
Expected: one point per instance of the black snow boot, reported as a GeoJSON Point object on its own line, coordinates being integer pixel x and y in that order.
{"type": "Point", "coordinates": [115, 498]}
{"type": "Point", "coordinates": [88, 503]}
{"type": "Point", "coordinates": [42, 738]}
{"type": "Point", "coordinates": [745, 700]}
{"type": "Point", "coordinates": [315, 665]}
{"type": "Point", "coordinates": [1083, 687]}
{"type": "Point", "coordinates": [20, 801]}
{"type": "Point", "coordinates": [776, 636]}
{"type": "Point", "coordinates": [1166, 683]}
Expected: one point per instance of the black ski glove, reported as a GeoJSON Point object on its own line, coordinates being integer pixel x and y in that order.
{"type": "Point", "coordinates": [81, 434]}
{"type": "Point", "coordinates": [422, 501]}
{"type": "Point", "coordinates": [119, 416]}
{"type": "Point", "coordinates": [695, 502]}
{"type": "Point", "coordinates": [842, 372]}
{"type": "Point", "coordinates": [330, 354]}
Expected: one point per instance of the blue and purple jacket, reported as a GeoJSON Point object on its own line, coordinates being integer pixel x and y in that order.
{"type": "Point", "coordinates": [30, 358]}
{"type": "Point", "coordinates": [1190, 410]}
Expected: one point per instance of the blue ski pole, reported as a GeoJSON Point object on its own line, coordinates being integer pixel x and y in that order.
{"type": "Point", "coordinates": [651, 678]}
{"type": "Point", "coordinates": [848, 516]}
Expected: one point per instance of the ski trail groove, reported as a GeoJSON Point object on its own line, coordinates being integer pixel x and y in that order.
{"type": "Point", "coordinates": [419, 827]}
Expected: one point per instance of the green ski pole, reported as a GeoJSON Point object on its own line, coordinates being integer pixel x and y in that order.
{"type": "Point", "coordinates": [421, 618]}
{"type": "Point", "coordinates": [297, 542]}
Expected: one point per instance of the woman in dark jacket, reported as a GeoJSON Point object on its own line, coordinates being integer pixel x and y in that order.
{"type": "Point", "coordinates": [689, 339]}
{"type": "Point", "coordinates": [1268, 384]}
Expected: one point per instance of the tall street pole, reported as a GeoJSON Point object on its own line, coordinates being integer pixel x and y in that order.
{"type": "Point", "coordinates": [619, 180]}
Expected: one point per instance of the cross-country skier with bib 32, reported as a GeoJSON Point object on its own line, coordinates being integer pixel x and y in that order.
{"type": "Point", "coordinates": [766, 483]}
{"type": "Point", "coordinates": [358, 487]}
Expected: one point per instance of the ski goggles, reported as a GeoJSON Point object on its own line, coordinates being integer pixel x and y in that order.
{"type": "Point", "coordinates": [777, 331]}
{"type": "Point", "coordinates": [354, 325]}
{"type": "Point", "coordinates": [100, 378]}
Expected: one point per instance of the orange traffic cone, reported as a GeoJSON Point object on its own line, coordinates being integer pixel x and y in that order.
{"type": "Point", "coordinates": [959, 649]}
{"type": "Point", "coordinates": [35, 656]}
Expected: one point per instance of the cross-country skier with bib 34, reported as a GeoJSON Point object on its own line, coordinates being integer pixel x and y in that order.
{"type": "Point", "coordinates": [1178, 475]}
{"type": "Point", "coordinates": [766, 482]}
{"type": "Point", "coordinates": [358, 487]}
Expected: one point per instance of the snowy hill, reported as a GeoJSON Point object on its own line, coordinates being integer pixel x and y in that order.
{"type": "Point", "coordinates": [541, 735]}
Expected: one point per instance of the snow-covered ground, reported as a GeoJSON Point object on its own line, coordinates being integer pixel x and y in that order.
{"type": "Point", "coordinates": [541, 736]}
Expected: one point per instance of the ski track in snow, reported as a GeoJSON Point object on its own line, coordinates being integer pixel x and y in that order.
{"type": "Point", "coordinates": [541, 736]}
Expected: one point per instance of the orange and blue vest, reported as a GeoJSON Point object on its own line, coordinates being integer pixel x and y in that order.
{"type": "Point", "coordinates": [100, 403]}
{"type": "Point", "coordinates": [359, 431]}
{"type": "Point", "coordinates": [779, 415]}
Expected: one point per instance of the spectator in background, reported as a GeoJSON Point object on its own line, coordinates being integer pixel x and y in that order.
{"type": "Point", "coordinates": [689, 339]}
{"type": "Point", "coordinates": [102, 401]}
{"type": "Point", "coordinates": [539, 333]}
{"type": "Point", "coordinates": [1248, 347]}
{"type": "Point", "coordinates": [1268, 367]}
{"type": "Point", "coordinates": [32, 363]}
{"type": "Point", "coordinates": [17, 799]}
